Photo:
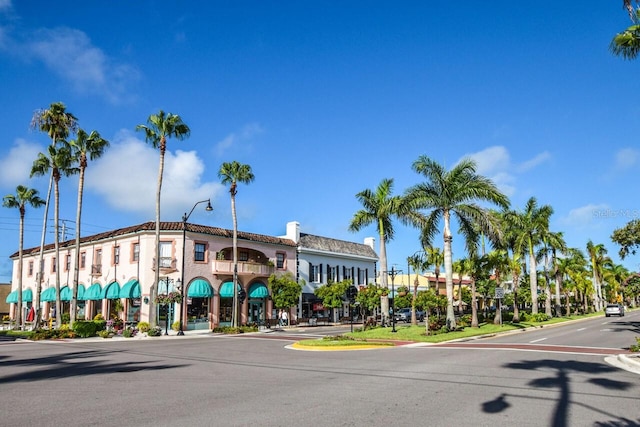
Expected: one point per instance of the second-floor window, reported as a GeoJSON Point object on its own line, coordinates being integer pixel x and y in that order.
{"type": "Point", "coordinates": [67, 264]}
{"type": "Point", "coordinates": [315, 273]}
{"type": "Point", "coordinates": [279, 260]}
{"type": "Point", "coordinates": [30, 268]}
{"type": "Point", "coordinates": [199, 252]}
{"type": "Point", "coordinates": [83, 259]}
{"type": "Point", "coordinates": [116, 255]}
{"type": "Point", "coordinates": [136, 252]}
{"type": "Point", "coordinates": [243, 256]}
{"type": "Point", "coordinates": [98, 257]}
{"type": "Point", "coordinates": [54, 263]}
{"type": "Point", "coordinates": [332, 274]}
{"type": "Point", "coordinates": [165, 254]}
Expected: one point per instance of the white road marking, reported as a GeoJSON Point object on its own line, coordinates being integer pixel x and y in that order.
{"type": "Point", "coordinates": [581, 329]}
{"type": "Point", "coordinates": [534, 341]}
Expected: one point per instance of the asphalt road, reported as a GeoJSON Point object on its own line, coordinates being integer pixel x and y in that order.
{"type": "Point", "coordinates": [256, 381]}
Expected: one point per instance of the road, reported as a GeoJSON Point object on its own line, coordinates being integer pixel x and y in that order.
{"type": "Point", "coordinates": [256, 381]}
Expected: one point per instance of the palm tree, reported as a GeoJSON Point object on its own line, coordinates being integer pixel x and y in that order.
{"type": "Point", "coordinates": [533, 224]}
{"type": "Point", "coordinates": [552, 242]}
{"type": "Point", "coordinates": [435, 259]}
{"type": "Point", "coordinates": [24, 196]}
{"type": "Point", "coordinates": [419, 264]}
{"type": "Point", "coordinates": [598, 258]}
{"type": "Point", "coordinates": [58, 161]}
{"type": "Point", "coordinates": [232, 173]}
{"type": "Point", "coordinates": [627, 43]}
{"type": "Point", "coordinates": [454, 193]}
{"type": "Point", "coordinates": [158, 129]}
{"type": "Point", "coordinates": [57, 123]}
{"type": "Point", "coordinates": [380, 207]}
{"type": "Point", "coordinates": [85, 146]}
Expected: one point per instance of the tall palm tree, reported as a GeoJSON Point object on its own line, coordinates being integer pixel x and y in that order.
{"type": "Point", "coordinates": [158, 129]}
{"type": "Point", "coordinates": [627, 43]}
{"type": "Point", "coordinates": [24, 196]}
{"type": "Point", "coordinates": [232, 173]}
{"type": "Point", "coordinates": [85, 147]}
{"type": "Point", "coordinates": [58, 161]}
{"type": "Point", "coordinates": [380, 207]}
{"type": "Point", "coordinates": [597, 258]}
{"type": "Point", "coordinates": [57, 123]}
{"type": "Point", "coordinates": [552, 243]}
{"type": "Point", "coordinates": [454, 193]}
{"type": "Point", "coordinates": [532, 223]}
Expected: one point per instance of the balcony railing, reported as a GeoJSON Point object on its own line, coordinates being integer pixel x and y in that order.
{"type": "Point", "coordinates": [166, 263]}
{"type": "Point", "coordinates": [243, 268]}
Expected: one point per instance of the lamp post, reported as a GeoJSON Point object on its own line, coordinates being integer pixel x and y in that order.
{"type": "Point", "coordinates": [167, 307]}
{"type": "Point", "coordinates": [183, 286]}
{"type": "Point", "coordinates": [393, 273]}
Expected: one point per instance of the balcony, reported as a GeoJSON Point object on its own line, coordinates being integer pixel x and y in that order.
{"type": "Point", "coordinates": [253, 268]}
{"type": "Point", "coordinates": [167, 265]}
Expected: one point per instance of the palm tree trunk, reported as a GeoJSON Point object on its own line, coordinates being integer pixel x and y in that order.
{"type": "Point", "coordinates": [56, 216]}
{"type": "Point", "coordinates": [474, 304]}
{"type": "Point", "coordinates": [20, 243]}
{"type": "Point", "coordinates": [460, 309]}
{"type": "Point", "coordinates": [40, 267]}
{"type": "Point", "coordinates": [448, 273]}
{"type": "Point", "coordinates": [153, 321]}
{"type": "Point", "coordinates": [383, 274]}
{"type": "Point", "coordinates": [533, 280]}
{"type": "Point", "coordinates": [557, 292]}
{"type": "Point", "coordinates": [76, 266]}
{"type": "Point", "coordinates": [235, 316]}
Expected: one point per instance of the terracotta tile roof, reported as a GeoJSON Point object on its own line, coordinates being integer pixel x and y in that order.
{"type": "Point", "coordinates": [310, 241]}
{"type": "Point", "coordinates": [164, 226]}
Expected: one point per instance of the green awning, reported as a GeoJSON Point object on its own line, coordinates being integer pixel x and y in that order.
{"type": "Point", "coordinates": [258, 290]}
{"type": "Point", "coordinates": [226, 290]}
{"type": "Point", "coordinates": [12, 298]}
{"type": "Point", "coordinates": [81, 293]}
{"type": "Point", "coordinates": [131, 289]}
{"type": "Point", "coordinates": [111, 291]}
{"type": "Point", "coordinates": [48, 295]}
{"type": "Point", "coordinates": [200, 288]}
{"type": "Point", "coordinates": [94, 293]}
{"type": "Point", "coordinates": [27, 296]}
{"type": "Point", "coordinates": [65, 294]}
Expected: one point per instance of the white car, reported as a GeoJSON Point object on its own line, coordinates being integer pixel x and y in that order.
{"type": "Point", "coordinates": [614, 310]}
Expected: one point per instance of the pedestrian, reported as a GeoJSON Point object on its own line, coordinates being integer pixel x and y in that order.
{"type": "Point", "coordinates": [285, 318]}
{"type": "Point", "coordinates": [280, 318]}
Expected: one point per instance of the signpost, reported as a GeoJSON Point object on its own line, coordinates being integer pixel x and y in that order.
{"type": "Point", "coordinates": [499, 296]}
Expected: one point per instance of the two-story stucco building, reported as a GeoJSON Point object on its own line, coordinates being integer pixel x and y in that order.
{"type": "Point", "coordinates": [117, 271]}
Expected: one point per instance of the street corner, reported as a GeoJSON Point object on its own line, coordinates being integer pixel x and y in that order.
{"type": "Point", "coordinates": [628, 362]}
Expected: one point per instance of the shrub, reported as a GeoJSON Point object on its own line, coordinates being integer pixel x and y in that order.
{"type": "Point", "coordinates": [98, 317]}
{"type": "Point", "coordinates": [49, 334]}
{"type": "Point", "coordinates": [101, 325]}
{"type": "Point", "coordinates": [85, 329]}
{"type": "Point", "coordinates": [104, 334]}
{"type": "Point", "coordinates": [129, 333]}
{"type": "Point", "coordinates": [66, 317]}
{"type": "Point", "coordinates": [156, 331]}
{"type": "Point", "coordinates": [464, 320]}
{"type": "Point", "coordinates": [143, 326]}
{"type": "Point", "coordinates": [175, 325]}
{"type": "Point", "coordinates": [538, 317]}
{"type": "Point", "coordinates": [6, 318]}
{"type": "Point", "coordinates": [635, 347]}
{"type": "Point", "coordinates": [228, 330]}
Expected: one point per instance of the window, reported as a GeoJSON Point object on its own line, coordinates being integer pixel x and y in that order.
{"type": "Point", "coordinates": [136, 252]}
{"type": "Point", "coordinates": [67, 264]}
{"type": "Point", "coordinates": [53, 264]}
{"type": "Point", "coordinates": [243, 256]}
{"type": "Point", "coordinates": [165, 254]}
{"type": "Point", "coordinates": [346, 273]}
{"type": "Point", "coordinates": [280, 260]}
{"type": "Point", "coordinates": [314, 273]}
{"type": "Point", "coordinates": [83, 259]}
{"type": "Point", "coordinates": [200, 250]}
{"type": "Point", "coordinates": [98, 257]}
{"type": "Point", "coordinates": [116, 255]}
{"type": "Point", "coordinates": [30, 268]}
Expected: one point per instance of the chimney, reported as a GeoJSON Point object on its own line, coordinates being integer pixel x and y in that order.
{"type": "Point", "coordinates": [370, 241]}
{"type": "Point", "coordinates": [293, 231]}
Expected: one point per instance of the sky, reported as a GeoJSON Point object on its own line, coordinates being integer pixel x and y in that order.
{"type": "Point", "coordinates": [323, 100]}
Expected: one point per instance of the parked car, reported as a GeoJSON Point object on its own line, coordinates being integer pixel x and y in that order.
{"type": "Point", "coordinates": [404, 315]}
{"type": "Point", "coordinates": [614, 310]}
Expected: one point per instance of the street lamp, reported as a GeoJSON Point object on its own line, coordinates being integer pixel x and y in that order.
{"type": "Point", "coordinates": [185, 218]}
{"type": "Point", "coordinates": [393, 273]}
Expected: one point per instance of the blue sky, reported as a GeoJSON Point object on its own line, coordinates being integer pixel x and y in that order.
{"type": "Point", "coordinates": [323, 100]}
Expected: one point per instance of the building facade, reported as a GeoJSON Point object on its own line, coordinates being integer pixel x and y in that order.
{"type": "Point", "coordinates": [117, 272]}
{"type": "Point", "coordinates": [321, 260]}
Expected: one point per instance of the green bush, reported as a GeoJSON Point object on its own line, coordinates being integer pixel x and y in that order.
{"type": "Point", "coordinates": [49, 334]}
{"type": "Point", "coordinates": [156, 331]}
{"type": "Point", "coordinates": [635, 347]}
{"type": "Point", "coordinates": [101, 325]}
{"type": "Point", "coordinates": [228, 330]}
{"type": "Point", "coordinates": [104, 334]}
{"type": "Point", "coordinates": [143, 326]}
{"type": "Point", "coordinates": [530, 317]}
{"type": "Point", "coordinates": [85, 329]}
{"type": "Point", "coordinates": [128, 333]}
{"type": "Point", "coordinates": [175, 325]}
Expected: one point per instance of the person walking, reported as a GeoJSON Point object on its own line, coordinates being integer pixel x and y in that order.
{"type": "Point", "coordinates": [285, 318]}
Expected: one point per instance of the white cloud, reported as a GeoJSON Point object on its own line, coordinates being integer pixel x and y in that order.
{"type": "Point", "coordinates": [584, 216]}
{"type": "Point", "coordinates": [128, 172]}
{"type": "Point", "coordinates": [626, 158]}
{"type": "Point", "coordinates": [70, 55]}
{"type": "Point", "coordinates": [532, 163]}
{"type": "Point", "coordinates": [491, 160]}
{"type": "Point", "coordinates": [246, 133]}
{"type": "Point", "coordinates": [15, 167]}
